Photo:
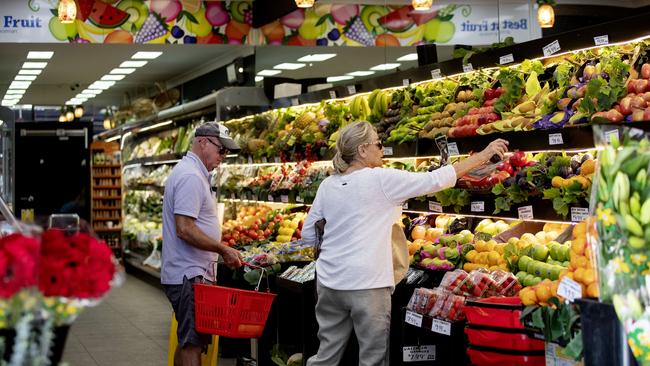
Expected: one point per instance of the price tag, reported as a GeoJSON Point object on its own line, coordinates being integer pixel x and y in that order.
{"type": "Point", "coordinates": [405, 206]}
{"type": "Point", "coordinates": [569, 289]}
{"type": "Point", "coordinates": [468, 67]}
{"type": "Point", "coordinates": [299, 199]}
{"type": "Point", "coordinates": [551, 48]}
{"type": "Point", "coordinates": [284, 198]}
{"type": "Point", "coordinates": [388, 150]}
{"type": "Point", "coordinates": [295, 102]}
{"type": "Point", "coordinates": [436, 74]}
{"type": "Point", "coordinates": [269, 198]}
{"type": "Point", "coordinates": [332, 94]}
{"type": "Point", "coordinates": [525, 213]}
{"type": "Point", "coordinates": [232, 196]}
{"type": "Point", "coordinates": [555, 139]}
{"type": "Point", "coordinates": [250, 160]}
{"type": "Point", "coordinates": [264, 160]}
{"type": "Point", "coordinates": [506, 59]}
{"type": "Point", "coordinates": [441, 326]}
{"type": "Point", "coordinates": [453, 148]}
{"type": "Point", "coordinates": [477, 206]}
{"type": "Point", "coordinates": [579, 214]}
{"type": "Point", "coordinates": [419, 353]}
{"type": "Point", "coordinates": [406, 82]}
{"type": "Point", "coordinates": [601, 40]}
{"type": "Point", "coordinates": [435, 206]}
{"type": "Point", "coordinates": [611, 135]}
{"type": "Point", "coordinates": [277, 159]}
{"type": "Point", "coordinates": [413, 318]}
{"type": "Point", "coordinates": [352, 89]}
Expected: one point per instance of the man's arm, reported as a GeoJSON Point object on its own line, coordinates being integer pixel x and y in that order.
{"type": "Point", "coordinates": [187, 230]}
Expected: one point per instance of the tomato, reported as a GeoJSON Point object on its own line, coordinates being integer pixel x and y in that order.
{"type": "Point", "coordinates": [255, 227]}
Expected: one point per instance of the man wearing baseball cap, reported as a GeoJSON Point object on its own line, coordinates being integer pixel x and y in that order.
{"type": "Point", "coordinates": [191, 234]}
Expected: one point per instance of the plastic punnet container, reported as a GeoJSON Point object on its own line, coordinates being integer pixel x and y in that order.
{"type": "Point", "coordinates": [455, 281]}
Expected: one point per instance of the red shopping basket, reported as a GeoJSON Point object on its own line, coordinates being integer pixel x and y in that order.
{"type": "Point", "coordinates": [231, 312]}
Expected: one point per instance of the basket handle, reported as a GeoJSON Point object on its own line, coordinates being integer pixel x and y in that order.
{"type": "Point", "coordinates": [259, 282]}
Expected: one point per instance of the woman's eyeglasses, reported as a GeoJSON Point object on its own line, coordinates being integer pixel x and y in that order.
{"type": "Point", "coordinates": [220, 149]}
{"type": "Point", "coordinates": [379, 144]}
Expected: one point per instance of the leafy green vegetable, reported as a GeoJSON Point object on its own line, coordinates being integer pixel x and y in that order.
{"type": "Point", "coordinates": [456, 197]}
{"type": "Point", "coordinates": [563, 73]}
{"type": "Point", "coordinates": [508, 196]}
{"type": "Point", "coordinates": [513, 84]}
{"type": "Point", "coordinates": [529, 66]}
{"type": "Point", "coordinates": [532, 85]}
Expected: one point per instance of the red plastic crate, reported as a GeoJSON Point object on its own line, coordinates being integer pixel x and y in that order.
{"type": "Point", "coordinates": [503, 339]}
{"type": "Point", "coordinates": [480, 357]}
{"type": "Point", "coordinates": [500, 312]}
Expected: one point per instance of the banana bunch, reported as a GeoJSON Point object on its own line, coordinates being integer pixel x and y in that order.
{"type": "Point", "coordinates": [379, 101]}
{"type": "Point", "coordinates": [359, 108]}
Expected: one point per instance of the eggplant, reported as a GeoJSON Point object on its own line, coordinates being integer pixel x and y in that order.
{"type": "Point", "coordinates": [565, 171]}
{"type": "Point", "coordinates": [575, 162]}
{"type": "Point", "coordinates": [508, 182]}
{"type": "Point", "coordinates": [523, 183]}
{"type": "Point", "coordinates": [586, 157]}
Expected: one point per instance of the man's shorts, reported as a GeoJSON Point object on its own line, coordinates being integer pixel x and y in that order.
{"type": "Point", "coordinates": [182, 299]}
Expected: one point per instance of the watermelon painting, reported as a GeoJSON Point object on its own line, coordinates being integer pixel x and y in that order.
{"type": "Point", "coordinates": [84, 7]}
{"type": "Point", "coordinates": [107, 16]}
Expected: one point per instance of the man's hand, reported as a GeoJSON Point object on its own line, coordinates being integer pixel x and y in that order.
{"type": "Point", "coordinates": [231, 257]}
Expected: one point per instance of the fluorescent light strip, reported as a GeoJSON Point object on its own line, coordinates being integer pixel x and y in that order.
{"type": "Point", "coordinates": [409, 57]}
{"type": "Point", "coordinates": [360, 73]}
{"type": "Point", "coordinates": [259, 78]}
{"type": "Point", "coordinates": [7, 103]}
{"type": "Point", "coordinates": [155, 126]}
{"type": "Point", "coordinates": [16, 92]}
{"type": "Point", "coordinates": [333, 79]}
{"type": "Point", "coordinates": [144, 55]}
{"type": "Point", "coordinates": [268, 72]}
{"type": "Point", "coordinates": [20, 84]}
{"type": "Point", "coordinates": [29, 72]}
{"type": "Point", "coordinates": [122, 71]}
{"type": "Point", "coordinates": [92, 91]}
{"type": "Point", "coordinates": [113, 77]}
{"type": "Point", "coordinates": [39, 55]}
{"type": "Point", "coordinates": [317, 57]}
{"type": "Point", "coordinates": [25, 77]}
{"type": "Point", "coordinates": [102, 84]}
{"type": "Point", "coordinates": [133, 63]}
{"type": "Point", "coordinates": [83, 95]}
{"type": "Point", "coordinates": [383, 67]}
{"type": "Point", "coordinates": [12, 97]}
{"type": "Point", "coordinates": [34, 65]}
{"type": "Point", "coordinates": [289, 66]}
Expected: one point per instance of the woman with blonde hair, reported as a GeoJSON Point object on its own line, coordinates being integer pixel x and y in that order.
{"type": "Point", "coordinates": [354, 269]}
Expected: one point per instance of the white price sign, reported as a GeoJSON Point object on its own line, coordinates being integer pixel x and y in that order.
{"type": "Point", "coordinates": [299, 199]}
{"type": "Point", "coordinates": [352, 89]}
{"type": "Point", "coordinates": [405, 206]}
{"type": "Point", "coordinates": [579, 214]}
{"type": "Point", "coordinates": [277, 160]}
{"type": "Point", "coordinates": [569, 289]}
{"type": "Point", "coordinates": [452, 147]}
{"type": "Point", "coordinates": [525, 213]}
{"type": "Point", "coordinates": [250, 160]}
{"type": "Point", "coordinates": [468, 67]}
{"type": "Point", "coordinates": [295, 102]}
{"type": "Point", "coordinates": [601, 40]}
{"type": "Point", "coordinates": [436, 74]}
{"type": "Point", "coordinates": [555, 139]}
{"type": "Point", "coordinates": [284, 198]}
{"type": "Point", "coordinates": [506, 59]}
{"type": "Point", "coordinates": [264, 160]}
{"type": "Point", "coordinates": [232, 196]}
{"type": "Point", "coordinates": [269, 198]}
{"type": "Point", "coordinates": [332, 94]}
{"type": "Point", "coordinates": [611, 135]}
{"type": "Point", "coordinates": [551, 48]}
{"type": "Point", "coordinates": [441, 326]}
{"type": "Point", "coordinates": [435, 206]}
{"type": "Point", "coordinates": [477, 206]}
{"type": "Point", "coordinates": [388, 151]}
{"type": "Point", "coordinates": [406, 82]}
{"type": "Point", "coordinates": [419, 353]}
{"type": "Point", "coordinates": [413, 318]}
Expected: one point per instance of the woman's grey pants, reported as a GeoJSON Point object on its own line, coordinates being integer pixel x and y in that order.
{"type": "Point", "coordinates": [339, 311]}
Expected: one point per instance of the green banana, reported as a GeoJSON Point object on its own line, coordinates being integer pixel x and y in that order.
{"type": "Point", "coordinates": [635, 205]}
{"type": "Point", "coordinates": [632, 225]}
{"type": "Point", "coordinates": [641, 179]}
{"type": "Point", "coordinates": [647, 234]}
{"type": "Point", "coordinates": [606, 158]}
{"type": "Point", "coordinates": [622, 156]}
{"type": "Point", "coordinates": [624, 208]}
{"type": "Point", "coordinates": [636, 242]}
{"type": "Point", "coordinates": [632, 166]}
{"type": "Point", "coordinates": [603, 190]}
{"type": "Point", "coordinates": [645, 212]}
{"type": "Point", "coordinates": [621, 189]}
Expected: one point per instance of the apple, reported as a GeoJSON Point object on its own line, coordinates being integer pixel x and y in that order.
{"type": "Point", "coordinates": [614, 116]}
{"type": "Point", "coordinates": [646, 96]}
{"type": "Point", "coordinates": [625, 106]}
{"type": "Point", "coordinates": [645, 71]}
{"type": "Point", "coordinates": [638, 102]}
{"type": "Point", "coordinates": [589, 72]}
{"type": "Point", "coordinates": [646, 114]}
{"type": "Point", "coordinates": [640, 86]}
{"type": "Point", "coordinates": [638, 115]}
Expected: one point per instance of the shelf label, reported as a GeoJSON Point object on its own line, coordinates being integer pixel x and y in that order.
{"type": "Point", "coordinates": [452, 147]}
{"type": "Point", "coordinates": [406, 82]}
{"type": "Point", "coordinates": [419, 353]}
{"type": "Point", "coordinates": [284, 198]}
{"type": "Point", "coordinates": [299, 199]}
{"type": "Point", "coordinates": [551, 48]}
{"type": "Point", "coordinates": [506, 59]}
{"type": "Point", "coordinates": [277, 160]}
{"type": "Point", "coordinates": [441, 326]}
{"type": "Point", "coordinates": [436, 74]}
{"type": "Point", "coordinates": [579, 214]}
{"type": "Point", "coordinates": [332, 94]}
{"type": "Point", "coordinates": [525, 213]}
{"type": "Point", "coordinates": [413, 318]}
{"type": "Point", "coordinates": [295, 101]}
{"type": "Point", "coordinates": [250, 160]}
{"type": "Point", "coordinates": [269, 198]}
{"type": "Point", "coordinates": [609, 135]}
{"type": "Point", "coordinates": [405, 206]}
{"type": "Point", "coordinates": [352, 89]}
{"type": "Point", "coordinates": [555, 139]}
{"type": "Point", "coordinates": [569, 289]}
{"type": "Point", "coordinates": [435, 206]}
{"type": "Point", "coordinates": [232, 196]}
{"type": "Point", "coordinates": [468, 67]}
{"type": "Point", "coordinates": [601, 40]}
{"type": "Point", "coordinates": [478, 206]}
{"type": "Point", "coordinates": [388, 150]}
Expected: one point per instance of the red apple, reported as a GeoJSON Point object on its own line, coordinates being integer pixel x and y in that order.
{"type": "Point", "coordinates": [614, 116]}
{"type": "Point", "coordinates": [646, 96]}
{"type": "Point", "coordinates": [630, 86]}
{"type": "Point", "coordinates": [625, 106]}
{"type": "Point", "coordinates": [645, 71]}
{"type": "Point", "coordinates": [646, 114]}
{"type": "Point", "coordinates": [638, 102]}
{"type": "Point", "coordinates": [640, 86]}
{"type": "Point", "coordinates": [637, 115]}
{"type": "Point", "coordinates": [618, 109]}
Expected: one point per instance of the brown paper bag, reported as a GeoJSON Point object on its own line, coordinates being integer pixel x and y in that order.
{"type": "Point", "coordinates": [400, 253]}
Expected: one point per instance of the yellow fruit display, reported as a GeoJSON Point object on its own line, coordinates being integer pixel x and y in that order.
{"type": "Point", "coordinates": [581, 268]}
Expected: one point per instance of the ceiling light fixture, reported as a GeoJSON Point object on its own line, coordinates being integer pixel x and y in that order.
{"type": "Point", "coordinates": [20, 84]}
{"type": "Point", "coordinates": [422, 4]}
{"type": "Point", "coordinates": [304, 3]}
{"type": "Point", "coordinates": [34, 65]}
{"type": "Point", "coordinates": [133, 63]}
{"type": "Point", "coordinates": [78, 111]}
{"type": "Point", "coordinates": [545, 13]}
{"type": "Point", "coordinates": [333, 79]}
{"type": "Point", "coordinates": [360, 73]}
{"type": "Point", "coordinates": [25, 77]}
{"type": "Point", "coordinates": [409, 57]}
{"type": "Point", "coordinates": [289, 66]}
{"type": "Point", "coordinates": [383, 67]}
{"type": "Point", "coordinates": [9, 103]}
{"type": "Point", "coordinates": [62, 118]}
{"type": "Point", "coordinates": [259, 78]}
{"type": "Point", "coordinates": [67, 11]}
{"type": "Point", "coordinates": [318, 57]}
{"type": "Point", "coordinates": [12, 97]}
{"type": "Point", "coordinates": [85, 96]}
{"type": "Point", "coordinates": [102, 84]}
{"type": "Point", "coordinates": [69, 116]}
{"type": "Point", "coordinates": [92, 91]}
{"type": "Point", "coordinates": [122, 71]}
{"type": "Point", "coordinates": [113, 77]}
{"type": "Point", "coordinates": [268, 72]}
{"type": "Point", "coordinates": [29, 72]}
{"type": "Point", "coordinates": [16, 92]}
{"type": "Point", "coordinates": [144, 55]}
{"type": "Point", "coordinates": [107, 123]}
{"type": "Point", "coordinates": [39, 55]}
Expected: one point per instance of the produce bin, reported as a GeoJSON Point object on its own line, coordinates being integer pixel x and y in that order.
{"type": "Point", "coordinates": [503, 338]}
{"type": "Point", "coordinates": [481, 356]}
{"type": "Point", "coordinates": [500, 312]}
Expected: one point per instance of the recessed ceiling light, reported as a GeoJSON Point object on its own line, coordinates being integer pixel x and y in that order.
{"type": "Point", "coordinates": [122, 71]}
{"type": "Point", "coordinates": [289, 66]}
{"type": "Point", "coordinates": [19, 84]}
{"type": "Point", "coordinates": [360, 73]}
{"type": "Point", "coordinates": [317, 57]}
{"type": "Point", "coordinates": [133, 63]}
{"type": "Point", "coordinates": [18, 92]}
{"type": "Point", "coordinates": [34, 65]}
{"type": "Point", "coordinates": [143, 55]}
{"type": "Point", "coordinates": [382, 67]}
{"type": "Point", "coordinates": [268, 72]}
{"type": "Point", "coordinates": [113, 77]}
{"type": "Point", "coordinates": [333, 79]}
{"type": "Point", "coordinates": [39, 55]}
{"type": "Point", "coordinates": [25, 77]}
{"type": "Point", "coordinates": [409, 57]}
{"type": "Point", "coordinates": [259, 78]}
{"type": "Point", "coordinates": [29, 72]}
{"type": "Point", "coordinates": [102, 84]}
{"type": "Point", "coordinates": [92, 91]}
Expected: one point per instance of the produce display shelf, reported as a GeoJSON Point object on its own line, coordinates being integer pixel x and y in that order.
{"type": "Point", "coordinates": [107, 166]}
{"type": "Point", "coordinates": [108, 229]}
{"type": "Point", "coordinates": [154, 160]}
{"type": "Point", "coordinates": [108, 198]}
{"type": "Point", "coordinates": [145, 187]}
{"type": "Point", "coordinates": [106, 218]}
{"type": "Point", "coordinates": [107, 208]}
{"type": "Point", "coordinates": [107, 187]}
{"type": "Point", "coordinates": [107, 176]}
{"type": "Point", "coordinates": [135, 261]}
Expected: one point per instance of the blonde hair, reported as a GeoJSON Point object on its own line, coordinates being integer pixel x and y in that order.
{"type": "Point", "coordinates": [347, 144]}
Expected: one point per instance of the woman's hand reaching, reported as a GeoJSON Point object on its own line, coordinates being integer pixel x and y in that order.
{"type": "Point", "coordinates": [497, 148]}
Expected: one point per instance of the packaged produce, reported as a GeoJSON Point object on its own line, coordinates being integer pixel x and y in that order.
{"type": "Point", "coordinates": [423, 300]}
{"type": "Point", "coordinates": [455, 282]}
{"type": "Point", "coordinates": [505, 284]}
{"type": "Point", "coordinates": [479, 282]}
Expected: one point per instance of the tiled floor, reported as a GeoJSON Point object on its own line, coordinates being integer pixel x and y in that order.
{"type": "Point", "coordinates": [130, 327]}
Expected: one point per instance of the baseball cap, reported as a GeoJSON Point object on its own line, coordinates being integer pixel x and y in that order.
{"type": "Point", "coordinates": [219, 131]}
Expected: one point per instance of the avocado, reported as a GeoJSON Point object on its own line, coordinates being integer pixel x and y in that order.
{"type": "Point", "coordinates": [137, 11]}
{"type": "Point", "coordinates": [370, 15]}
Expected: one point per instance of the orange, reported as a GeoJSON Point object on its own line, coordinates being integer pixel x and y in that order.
{"type": "Point", "coordinates": [579, 274]}
{"type": "Point", "coordinates": [528, 296]}
{"type": "Point", "coordinates": [543, 293]}
{"type": "Point", "coordinates": [553, 288]}
{"type": "Point", "coordinates": [593, 290]}
{"type": "Point", "coordinates": [578, 245]}
{"type": "Point", "coordinates": [582, 262]}
{"type": "Point", "coordinates": [589, 276]}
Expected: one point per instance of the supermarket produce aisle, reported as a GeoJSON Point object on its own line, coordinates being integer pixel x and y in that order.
{"type": "Point", "coordinates": [130, 327]}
